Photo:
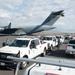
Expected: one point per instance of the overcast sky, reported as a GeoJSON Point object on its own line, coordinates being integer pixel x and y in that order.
{"type": "Point", "coordinates": [25, 12]}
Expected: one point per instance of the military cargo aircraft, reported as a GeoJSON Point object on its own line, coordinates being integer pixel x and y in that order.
{"type": "Point", "coordinates": [29, 29]}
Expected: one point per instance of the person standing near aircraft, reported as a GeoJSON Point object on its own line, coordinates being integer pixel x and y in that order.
{"type": "Point", "coordinates": [58, 43]}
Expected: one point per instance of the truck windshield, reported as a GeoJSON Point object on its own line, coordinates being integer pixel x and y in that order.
{"type": "Point", "coordinates": [72, 42]}
{"type": "Point", "coordinates": [47, 38]}
{"type": "Point", "coordinates": [19, 43]}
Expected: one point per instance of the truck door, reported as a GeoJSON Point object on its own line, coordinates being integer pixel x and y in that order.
{"type": "Point", "coordinates": [33, 49]}
{"type": "Point", "coordinates": [38, 47]}
{"type": "Point", "coordinates": [54, 41]}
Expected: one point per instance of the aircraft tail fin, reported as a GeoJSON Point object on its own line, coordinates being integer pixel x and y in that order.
{"type": "Point", "coordinates": [53, 17]}
{"type": "Point", "coordinates": [8, 27]}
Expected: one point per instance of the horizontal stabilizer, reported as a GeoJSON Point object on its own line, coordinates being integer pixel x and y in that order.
{"type": "Point", "coordinates": [58, 13]}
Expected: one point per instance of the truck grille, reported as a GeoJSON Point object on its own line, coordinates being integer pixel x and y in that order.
{"type": "Point", "coordinates": [4, 55]}
{"type": "Point", "coordinates": [73, 47]}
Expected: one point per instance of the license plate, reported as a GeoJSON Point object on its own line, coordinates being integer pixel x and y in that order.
{"type": "Point", "coordinates": [1, 63]}
{"type": "Point", "coordinates": [70, 52]}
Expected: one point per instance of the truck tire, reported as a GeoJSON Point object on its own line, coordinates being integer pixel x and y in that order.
{"type": "Point", "coordinates": [23, 64]}
{"type": "Point", "coordinates": [51, 48]}
{"type": "Point", "coordinates": [67, 54]}
{"type": "Point", "coordinates": [44, 52]}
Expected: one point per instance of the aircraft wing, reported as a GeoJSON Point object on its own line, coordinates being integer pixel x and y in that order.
{"type": "Point", "coordinates": [12, 31]}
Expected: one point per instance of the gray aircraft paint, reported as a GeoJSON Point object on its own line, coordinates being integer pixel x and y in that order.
{"type": "Point", "coordinates": [29, 29]}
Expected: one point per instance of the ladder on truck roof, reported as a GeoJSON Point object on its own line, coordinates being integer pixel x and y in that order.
{"type": "Point", "coordinates": [45, 60]}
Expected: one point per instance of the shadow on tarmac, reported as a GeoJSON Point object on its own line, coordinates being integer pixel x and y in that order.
{"type": "Point", "coordinates": [60, 54]}
{"type": "Point", "coordinates": [6, 68]}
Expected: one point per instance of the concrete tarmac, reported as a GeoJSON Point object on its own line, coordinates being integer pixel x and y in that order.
{"type": "Point", "coordinates": [55, 53]}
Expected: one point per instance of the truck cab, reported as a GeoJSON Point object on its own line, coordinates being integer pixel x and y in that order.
{"type": "Point", "coordinates": [22, 48]}
{"type": "Point", "coordinates": [51, 40]}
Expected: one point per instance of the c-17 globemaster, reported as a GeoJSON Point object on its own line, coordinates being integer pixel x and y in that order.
{"type": "Point", "coordinates": [29, 29]}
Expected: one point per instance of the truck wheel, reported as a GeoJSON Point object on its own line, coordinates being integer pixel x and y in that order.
{"type": "Point", "coordinates": [44, 53]}
{"type": "Point", "coordinates": [67, 54]}
{"type": "Point", "coordinates": [51, 47]}
{"type": "Point", "coordinates": [23, 64]}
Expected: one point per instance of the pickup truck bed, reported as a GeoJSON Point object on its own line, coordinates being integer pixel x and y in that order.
{"type": "Point", "coordinates": [44, 69]}
{"type": "Point", "coordinates": [47, 66]}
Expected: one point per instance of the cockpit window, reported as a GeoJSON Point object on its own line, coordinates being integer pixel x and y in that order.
{"type": "Point", "coordinates": [19, 43]}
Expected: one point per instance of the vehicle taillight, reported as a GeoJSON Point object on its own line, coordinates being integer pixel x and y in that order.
{"type": "Point", "coordinates": [42, 41]}
{"type": "Point", "coordinates": [51, 74]}
{"type": "Point", "coordinates": [66, 46]}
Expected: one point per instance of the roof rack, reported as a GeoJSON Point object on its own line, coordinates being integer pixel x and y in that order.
{"type": "Point", "coordinates": [29, 37]}
{"type": "Point", "coordinates": [49, 61]}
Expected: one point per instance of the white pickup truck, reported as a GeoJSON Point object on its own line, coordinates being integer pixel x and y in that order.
{"type": "Point", "coordinates": [44, 69]}
{"type": "Point", "coordinates": [62, 39]}
{"type": "Point", "coordinates": [23, 48]}
{"type": "Point", "coordinates": [51, 40]}
{"type": "Point", "coordinates": [48, 66]}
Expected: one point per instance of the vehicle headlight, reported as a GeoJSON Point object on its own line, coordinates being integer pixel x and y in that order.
{"type": "Point", "coordinates": [73, 52]}
{"type": "Point", "coordinates": [18, 54]}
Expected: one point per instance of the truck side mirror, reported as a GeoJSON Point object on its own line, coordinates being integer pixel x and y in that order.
{"type": "Point", "coordinates": [3, 44]}
{"type": "Point", "coordinates": [30, 46]}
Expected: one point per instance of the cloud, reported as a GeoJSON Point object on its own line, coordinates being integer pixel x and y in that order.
{"type": "Point", "coordinates": [10, 4]}
{"type": "Point", "coordinates": [4, 14]}
{"type": "Point", "coordinates": [36, 11]}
